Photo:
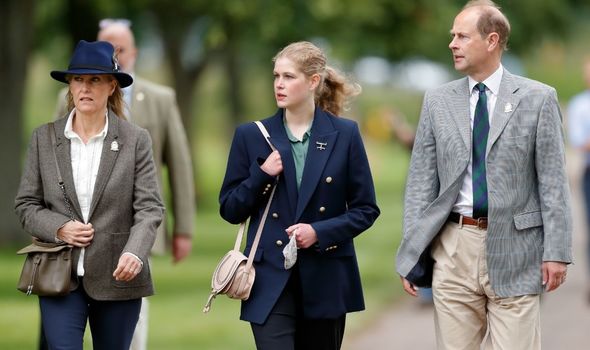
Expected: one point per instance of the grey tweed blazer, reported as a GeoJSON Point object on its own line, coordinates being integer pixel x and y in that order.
{"type": "Point", "coordinates": [154, 108]}
{"type": "Point", "coordinates": [529, 214]}
{"type": "Point", "coordinates": [125, 211]}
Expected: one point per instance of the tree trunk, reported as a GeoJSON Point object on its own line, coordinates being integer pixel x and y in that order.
{"type": "Point", "coordinates": [16, 33]}
{"type": "Point", "coordinates": [234, 77]}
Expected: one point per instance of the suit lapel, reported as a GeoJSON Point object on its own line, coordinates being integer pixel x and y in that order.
{"type": "Point", "coordinates": [506, 104]}
{"type": "Point", "coordinates": [459, 105]}
{"type": "Point", "coordinates": [107, 160]}
{"type": "Point", "coordinates": [137, 102]}
{"type": "Point", "coordinates": [278, 137]}
{"type": "Point", "coordinates": [321, 144]}
{"type": "Point", "coordinates": [64, 159]}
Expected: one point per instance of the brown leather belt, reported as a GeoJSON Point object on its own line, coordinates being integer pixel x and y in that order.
{"type": "Point", "coordinates": [481, 223]}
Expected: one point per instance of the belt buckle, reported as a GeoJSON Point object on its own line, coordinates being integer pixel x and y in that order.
{"type": "Point", "coordinates": [482, 223]}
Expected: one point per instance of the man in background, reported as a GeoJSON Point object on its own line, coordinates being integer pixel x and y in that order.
{"type": "Point", "coordinates": [578, 115]}
{"type": "Point", "coordinates": [154, 108]}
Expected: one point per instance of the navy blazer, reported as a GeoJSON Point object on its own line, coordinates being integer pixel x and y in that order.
{"type": "Point", "coordinates": [336, 197]}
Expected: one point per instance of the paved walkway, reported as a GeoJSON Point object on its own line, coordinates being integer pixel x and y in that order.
{"type": "Point", "coordinates": [565, 313]}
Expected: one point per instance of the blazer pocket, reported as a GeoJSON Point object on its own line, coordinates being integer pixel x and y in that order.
{"type": "Point", "coordinates": [118, 242]}
{"type": "Point", "coordinates": [527, 220]}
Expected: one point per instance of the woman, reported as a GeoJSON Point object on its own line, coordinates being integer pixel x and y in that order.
{"type": "Point", "coordinates": [324, 197]}
{"type": "Point", "coordinates": [110, 181]}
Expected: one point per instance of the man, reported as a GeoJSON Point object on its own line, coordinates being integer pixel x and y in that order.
{"type": "Point", "coordinates": [154, 108]}
{"type": "Point", "coordinates": [579, 132]}
{"type": "Point", "coordinates": [487, 200]}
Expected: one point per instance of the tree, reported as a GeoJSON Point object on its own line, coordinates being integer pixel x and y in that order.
{"type": "Point", "coordinates": [16, 35]}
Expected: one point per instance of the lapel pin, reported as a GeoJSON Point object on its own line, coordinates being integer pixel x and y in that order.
{"type": "Point", "coordinates": [114, 146]}
{"type": "Point", "coordinates": [508, 108]}
{"type": "Point", "coordinates": [321, 145]}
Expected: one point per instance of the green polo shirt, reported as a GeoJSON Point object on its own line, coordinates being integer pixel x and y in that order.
{"type": "Point", "coordinates": [299, 149]}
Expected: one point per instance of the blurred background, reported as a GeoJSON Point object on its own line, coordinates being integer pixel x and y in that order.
{"type": "Point", "coordinates": [217, 55]}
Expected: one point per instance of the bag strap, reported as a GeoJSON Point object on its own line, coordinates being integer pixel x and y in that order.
{"type": "Point", "coordinates": [264, 215]}
{"type": "Point", "coordinates": [59, 179]}
{"type": "Point", "coordinates": [265, 133]}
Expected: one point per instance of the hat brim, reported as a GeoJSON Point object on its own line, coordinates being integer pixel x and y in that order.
{"type": "Point", "coordinates": [124, 79]}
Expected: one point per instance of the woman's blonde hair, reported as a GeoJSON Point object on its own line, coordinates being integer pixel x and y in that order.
{"type": "Point", "coordinates": [116, 103]}
{"type": "Point", "coordinates": [335, 90]}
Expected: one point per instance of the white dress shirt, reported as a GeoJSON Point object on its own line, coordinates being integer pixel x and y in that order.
{"type": "Point", "coordinates": [85, 163]}
{"type": "Point", "coordinates": [464, 203]}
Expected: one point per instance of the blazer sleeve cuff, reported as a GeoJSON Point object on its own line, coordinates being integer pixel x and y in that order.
{"type": "Point", "coordinates": [561, 255]}
{"type": "Point", "coordinates": [261, 181]}
{"type": "Point", "coordinates": [135, 256]}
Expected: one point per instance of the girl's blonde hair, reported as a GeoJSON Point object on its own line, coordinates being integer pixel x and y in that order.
{"type": "Point", "coordinates": [335, 90]}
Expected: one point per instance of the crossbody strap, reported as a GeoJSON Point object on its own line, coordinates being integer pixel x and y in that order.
{"type": "Point", "coordinates": [60, 181]}
{"type": "Point", "coordinates": [264, 215]}
{"type": "Point", "coordinates": [265, 133]}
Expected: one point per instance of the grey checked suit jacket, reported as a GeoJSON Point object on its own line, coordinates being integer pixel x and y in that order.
{"type": "Point", "coordinates": [125, 211]}
{"type": "Point", "coordinates": [529, 216]}
{"type": "Point", "coordinates": [154, 108]}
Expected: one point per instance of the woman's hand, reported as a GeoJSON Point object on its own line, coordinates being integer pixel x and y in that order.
{"type": "Point", "coordinates": [273, 165]}
{"type": "Point", "coordinates": [305, 235]}
{"type": "Point", "coordinates": [76, 233]}
{"type": "Point", "coordinates": [128, 267]}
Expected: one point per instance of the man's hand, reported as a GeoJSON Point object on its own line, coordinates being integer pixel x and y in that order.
{"type": "Point", "coordinates": [182, 245]}
{"type": "Point", "coordinates": [409, 287]}
{"type": "Point", "coordinates": [554, 273]}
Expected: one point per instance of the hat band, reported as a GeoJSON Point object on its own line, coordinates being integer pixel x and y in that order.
{"type": "Point", "coordinates": [102, 68]}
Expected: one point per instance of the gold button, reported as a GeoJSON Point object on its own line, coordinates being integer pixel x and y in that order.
{"type": "Point", "coordinates": [268, 185]}
{"type": "Point", "coordinates": [329, 179]}
{"type": "Point", "coordinates": [275, 215]}
{"type": "Point", "coordinates": [279, 243]}
{"type": "Point", "coordinates": [322, 209]}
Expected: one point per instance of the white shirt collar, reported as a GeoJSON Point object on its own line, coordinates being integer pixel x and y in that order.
{"type": "Point", "coordinates": [70, 133]}
{"type": "Point", "coordinates": [492, 82]}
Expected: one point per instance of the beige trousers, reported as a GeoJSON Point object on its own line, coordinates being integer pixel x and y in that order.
{"type": "Point", "coordinates": [468, 315]}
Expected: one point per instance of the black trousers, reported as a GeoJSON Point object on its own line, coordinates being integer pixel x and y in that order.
{"type": "Point", "coordinates": [287, 329]}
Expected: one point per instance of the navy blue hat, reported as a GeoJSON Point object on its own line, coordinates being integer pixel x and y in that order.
{"type": "Point", "coordinates": [96, 57]}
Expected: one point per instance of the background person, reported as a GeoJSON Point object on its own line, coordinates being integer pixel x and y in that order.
{"type": "Point", "coordinates": [325, 197]}
{"type": "Point", "coordinates": [487, 196]}
{"type": "Point", "coordinates": [154, 108]}
{"type": "Point", "coordinates": [110, 179]}
{"type": "Point", "coordinates": [579, 135]}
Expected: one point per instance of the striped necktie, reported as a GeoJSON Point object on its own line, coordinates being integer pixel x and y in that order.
{"type": "Point", "coordinates": [481, 126]}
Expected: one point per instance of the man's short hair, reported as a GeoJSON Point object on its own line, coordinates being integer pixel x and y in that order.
{"type": "Point", "coordinates": [491, 20]}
